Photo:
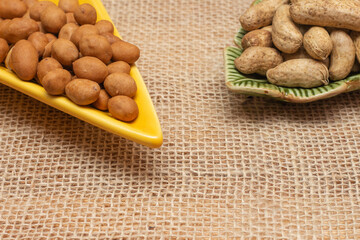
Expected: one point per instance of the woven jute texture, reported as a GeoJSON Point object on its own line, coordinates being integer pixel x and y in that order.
{"type": "Point", "coordinates": [231, 167]}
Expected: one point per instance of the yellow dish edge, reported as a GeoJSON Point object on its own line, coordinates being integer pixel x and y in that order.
{"type": "Point", "coordinates": [144, 130]}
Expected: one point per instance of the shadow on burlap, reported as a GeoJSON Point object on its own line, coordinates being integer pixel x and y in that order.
{"type": "Point", "coordinates": [230, 166]}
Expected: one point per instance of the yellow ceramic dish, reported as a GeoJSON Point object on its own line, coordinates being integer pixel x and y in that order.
{"type": "Point", "coordinates": [145, 129]}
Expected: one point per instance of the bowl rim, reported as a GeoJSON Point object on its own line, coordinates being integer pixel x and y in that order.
{"type": "Point", "coordinates": [257, 86]}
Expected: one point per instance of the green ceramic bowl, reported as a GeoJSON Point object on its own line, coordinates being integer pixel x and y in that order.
{"type": "Point", "coordinates": [256, 85]}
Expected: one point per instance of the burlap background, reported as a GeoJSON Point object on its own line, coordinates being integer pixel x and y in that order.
{"type": "Point", "coordinates": [230, 167]}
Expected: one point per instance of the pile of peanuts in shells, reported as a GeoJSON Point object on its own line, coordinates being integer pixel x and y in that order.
{"type": "Point", "coordinates": [69, 53]}
{"type": "Point", "coordinates": [301, 43]}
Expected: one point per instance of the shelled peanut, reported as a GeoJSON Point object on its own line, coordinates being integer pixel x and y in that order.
{"type": "Point", "coordinates": [66, 50]}
{"type": "Point", "coordinates": [316, 41]}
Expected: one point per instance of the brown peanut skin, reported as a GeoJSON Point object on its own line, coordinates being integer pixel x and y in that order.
{"type": "Point", "coordinates": [105, 26]}
{"type": "Point", "coordinates": [317, 43]}
{"type": "Point", "coordinates": [303, 73]}
{"type": "Point", "coordinates": [17, 29]}
{"type": "Point", "coordinates": [38, 8]}
{"type": "Point", "coordinates": [102, 102]}
{"type": "Point", "coordinates": [82, 31]}
{"type": "Point", "coordinates": [46, 65]}
{"type": "Point", "coordinates": [261, 14]}
{"type": "Point", "coordinates": [26, 15]}
{"type": "Point", "coordinates": [286, 36]}
{"type": "Point", "coordinates": [343, 55]}
{"type": "Point", "coordinates": [50, 36]}
{"type": "Point", "coordinates": [70, 18]}
{"type": "Point", "coordinates": [85, 14]}
{"type": "Point", "coordinates": [68, 5]}
{"type": "Point", "coordinates": [111, 37]}
{"type": "Point", "coordinates": [124, 51]}
{"type": "Point", "coordinates": [39, 41]}
{"type": "Point", "coordinates": [24, 60]}
{"type": "Point", "coordinates": [120, 84]}
{"type": "Point", "coordinates": [90, 68]}
{"type": "Point", "coordinates": [4, 49]}
{"type": "Point", "coordinates": [30, 3]}
{"type": "Point", "coordinates": [53, 19]}
{"type": "Point", "coordinates": [327, 13]}
{"type": "Point", "coordinates": [120, 66]}
{"type": "Point", "coordinates": [123, 108]}
{"type": "Point", "coordinates": [257, 38]}
{"type": "Point", "coordinates": [3, 27]}
{"type": "Point", "coordinates": [82, 91]}
{"type": "Point", "coordinates": [13, 9]}
{"type": "Point", "coordinates": [68, 30]}
{"type": "Point", "coordinates": [54, 82]}
{"type": "Point", "coordinates": [64, 51]}
{"type": "Point", "coordinates": [41, 28]}
{"type": "Point", "coordinates": [96, 46]}
{"type": "Point", "coordinates": [258, 60]}
{"type": "Point", "coordinates": [48, 49]}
